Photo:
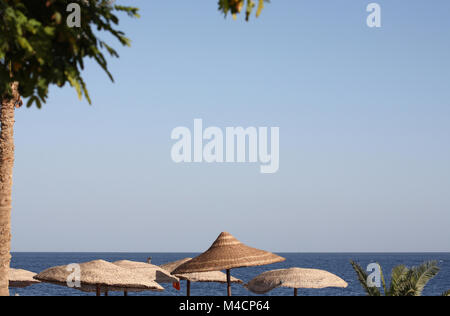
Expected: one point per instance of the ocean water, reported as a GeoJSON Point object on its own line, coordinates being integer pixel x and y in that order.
{"type": "Point", "coordinates": [337, 263]}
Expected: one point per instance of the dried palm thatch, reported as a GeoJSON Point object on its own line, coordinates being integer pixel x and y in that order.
{"type": "Point", "coordinates": [171, 266]}
{"type": "Point", "coordinates": [198, 277]}
{"type": "Point", "coordinates": [19, 278]}
{"type": "Point", "coordinates": [99, 276]}
{"type": "Point", "coordinates": [147, 270]}
{"type": "Point", "coordinates": [227, 253]}
{"type": "Point", "coordinates": [295, 278]}
{"type": "Point", "coordinates": [208, 277]}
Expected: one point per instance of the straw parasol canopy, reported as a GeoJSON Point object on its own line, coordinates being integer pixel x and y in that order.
{"type": "Point", "coordinates": [204, 277]}
{"type": "Point", "coordinates": [147, 270]}
{"type": "Point", "coordinates": [99, 276]}
{"type": "Point", "coordinates": [295, 278]}
{"type": "Point", "coordinates": [19, 278]}
{"type": "Point", "coordinates": [227, 253]}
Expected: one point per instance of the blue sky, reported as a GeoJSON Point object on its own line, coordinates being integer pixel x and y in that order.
{"type": "Point", "coordinates": [364, 117]}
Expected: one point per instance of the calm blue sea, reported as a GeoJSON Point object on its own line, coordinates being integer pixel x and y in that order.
{"type": "Point", "coordinates": [335, 263]}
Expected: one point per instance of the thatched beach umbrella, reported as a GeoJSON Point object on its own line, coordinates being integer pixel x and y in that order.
{"type": "Point", "coordinates": [295, 278]}
{"type": "Point", "coordinates": [200, 277]}
{"type": "Point", "coordinates": [227, 253]}
{"type": "Point", "coordinates": [99, 276]}
{"type": "Point", "coordinates": [19, 278]}
{"type": "Point", "coordinates": [148, 271]}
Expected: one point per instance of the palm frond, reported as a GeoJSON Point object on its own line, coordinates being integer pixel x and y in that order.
{"type": "Point", "coordinates": [362, 277]}
{"type": "Point", "coordinates": [398, 281]}
{"type": "Point", "coordinates": [422, 274]}
{"type": "Point", "coordinates": [383, 281]}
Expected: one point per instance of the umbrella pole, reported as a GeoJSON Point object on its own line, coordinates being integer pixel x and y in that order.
{"type": "Point", "coordinates": [125, 293]}
{"type": "Point", "coordinates": [188, 288]}
{"type": "Point", "coordinates": [295, 292]}
{"type": "Point", "coordinates": [106, 293]}
{"type": "Point", "coordinates": [99, 292]}
{"type": "Point", "coordinates": [228, 282]}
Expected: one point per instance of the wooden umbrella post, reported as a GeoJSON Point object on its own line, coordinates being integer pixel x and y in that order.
{"type": "Point", "coordinates": [188, 288]}
{"type": "Point", "coordinates": [99, 292]}
{"type": "Point", "coordinates": [106, 293]}
{"type": "Point", "coordinates": [125, 293]}
{"type": "Point", "coordinates": [295, 292]}
{"type": "Point", "coordinates": [229, 282]}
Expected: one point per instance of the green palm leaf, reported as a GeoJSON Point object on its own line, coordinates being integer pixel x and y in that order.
{"type": "Point", "coordinates": [398, 281]}
{"type": "Point", "coordinates": [383, 281]}
{"type": "Point", "coordinates": [421, 275]}
{"type": "Point", "coordinates": [362, 277]}
{"type": "Point", "coordinates": [404, 281]}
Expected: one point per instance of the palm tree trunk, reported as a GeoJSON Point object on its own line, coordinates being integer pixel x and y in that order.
{"type": "Point", "coordinates": [6, 171]}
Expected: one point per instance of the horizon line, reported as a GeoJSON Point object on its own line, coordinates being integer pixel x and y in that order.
{"type": "Point", "coordinates": [288, 252]}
